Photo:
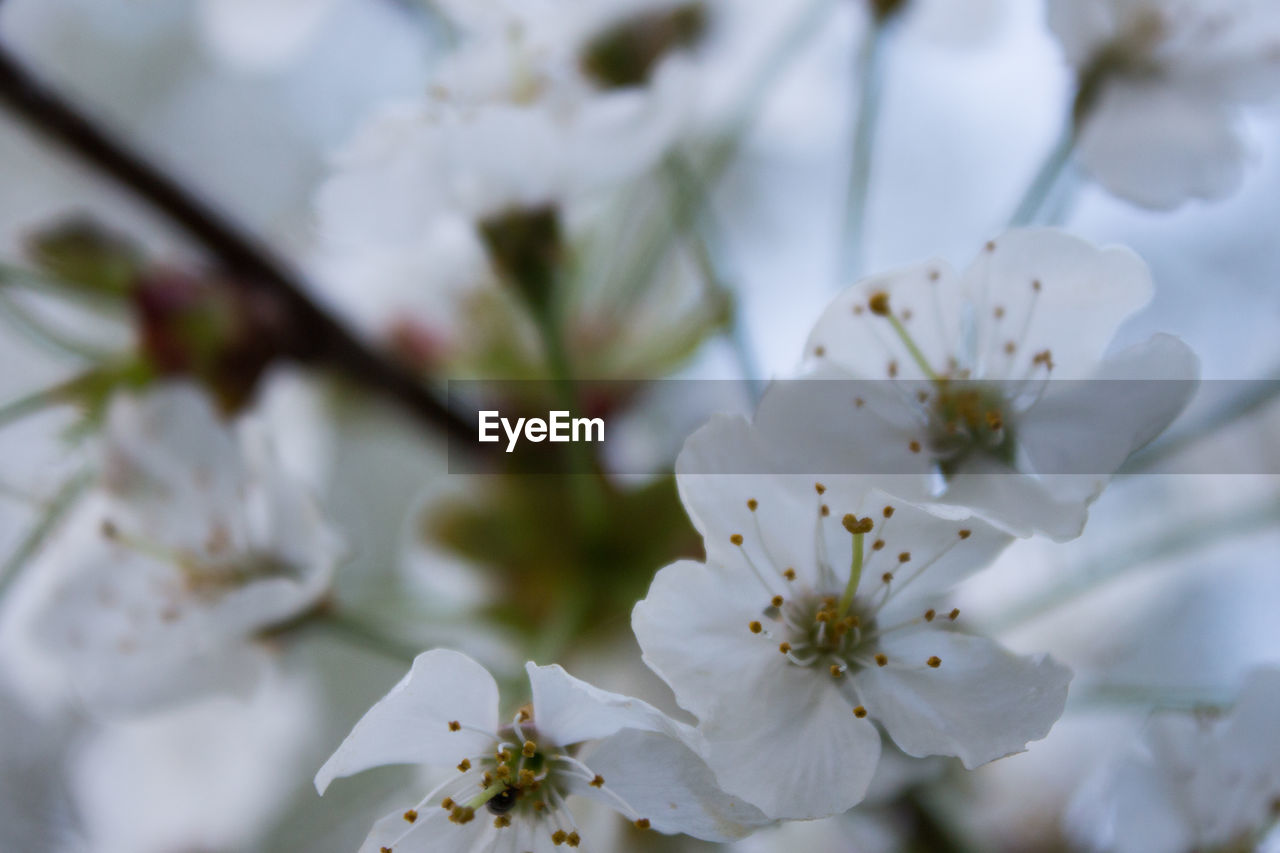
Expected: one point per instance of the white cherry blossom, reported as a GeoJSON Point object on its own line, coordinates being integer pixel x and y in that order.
{"type": "Point", "coordinates": [1162, 87]}
{"type": "Point", "coordinates": [514, 774]}
{"type": "Point", "coordinates": [819, 619]}
{"type": "Point", "coordinates": [192, 544]}
{"type": "Point", "coordinates": [992, 389]}
{"type": "Point", "coordinates": [1203, 782]}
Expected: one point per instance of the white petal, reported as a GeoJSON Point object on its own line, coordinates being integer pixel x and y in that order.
{"type": "Point", "coordinates": [1158, 145]}
{"type": "Point", "coordinates": [568, 710]}
{"type": "Point", "coordinates": [410, 725]}
{"type": "Point", "coordinates": [1054, 505]}
{"type": "Point", "coordinates": [692, 630]}
{"type": "Point", "coordinates": [431, 833]}
{"type": "Point", "coordinates": [981, 704]}
{"type": "Point", "coordinates": [664, 780]}
{"type": "Point", "coordinates": [794, 749]}
{"type": "Point", "coordinates": [1083, 295]}
{"type": "Point", "coordinates": [723, 465]}
{"type": "Point", "coordinates": [850, 336]}
{"type": "Point", "coordinates": [1092, 426]}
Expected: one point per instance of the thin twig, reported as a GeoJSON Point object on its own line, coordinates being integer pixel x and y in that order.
{"type": "Point", "coordinates": [320, 338]}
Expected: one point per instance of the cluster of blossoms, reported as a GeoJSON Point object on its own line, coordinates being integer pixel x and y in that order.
{"type": "Point", "coordinates": [449, 218]}
{"type": "Point", "coordinates": [819, 624]}
{"type": "Point", "coordinates": [936, 416]}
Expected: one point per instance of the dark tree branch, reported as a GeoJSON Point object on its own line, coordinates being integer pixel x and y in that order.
{"type": "Point", "coordinates": [320, 339]}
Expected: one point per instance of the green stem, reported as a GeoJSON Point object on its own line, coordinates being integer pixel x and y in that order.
{"type": "Point", "coordinates": [1187, 536]}
{"type": "Point", "coordinates": [55, 512]}
{"type": "Point", "coordinates": [734, 330]}
{"type": "Point", "coordinates": [1149, 697]}
{"type": "Point", "coordinates": [916, 354]}
{"type": "Point", "coordinates": [869, 68]}
{"type": "Point", "coordinates": [1042, 185]}
{"type": "Point", "coordinates": [855, 575]}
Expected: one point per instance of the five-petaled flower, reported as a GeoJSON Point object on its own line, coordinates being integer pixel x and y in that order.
{"type": "Point", "coordinates": [818, 617]}
{"type": "Point", "coordinates": [988, 390]}
{"type": "Point", "coordinates": [510, 779]}
{"type": "Point", "coordinates": [193, 542]}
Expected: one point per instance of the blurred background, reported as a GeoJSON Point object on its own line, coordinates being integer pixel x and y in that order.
{"type": "Point", "coordinates": [301, 123]}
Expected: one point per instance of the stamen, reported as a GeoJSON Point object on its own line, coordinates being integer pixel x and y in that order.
{"type": "Point", "coordinates": [879, 305]}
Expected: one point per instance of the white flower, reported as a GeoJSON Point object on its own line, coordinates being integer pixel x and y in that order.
{"type": "Point", "coordinates": [512, 778]}
{"type": "Point", "coordinates": [1199, 782]}
{"type": "Point", "coordinates": [975, 411]}
{"type": "Point", "coordinates": [817, 617]}
{"type": "Point", "coordinates": [1162, 84]}
{"type": "Point", "coordinates": [192, 544]}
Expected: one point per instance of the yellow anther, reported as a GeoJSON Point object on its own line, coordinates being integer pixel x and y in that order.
{"type": "Point", "coordinates": [464, 765]}
{"type": "Point", "coordinates": [860, 712]}
{"type": "Point", "coordinates": [525, 714]}
{"type": "Point", "coordinates": [879, 303]}
{"type": "Point", "coordinates": [887, 577]}
{"type": "Point", "coordinates": [784, 647]}
{"type": "Point", "coordinates": [573, 840]}
{"type": "Point", "coordinates": [1010, 347]}
{"type": "Point", "coordinates": [447, 803]}
{"type": "Point", "coordinates": [502, 821]}
{"type": "Point", "coordinates": [752, 503]}
{"type": "Point", "coordinates": [877, 545]}
{"type": "Point", "coordinates": [503, 771]}
{"type": "Point", "coordinates": [755, 627]}
{"type": "Point", "coordinates": [776, 601]}
{"type": "Point", "coordinates": [1036, 285]}
{"type": "Point", "coordinates": [558, 837]}
{"type": "Point", "coordinates": [998, 312]}
{"type": "Point", "coordinates": [934, 661]}
{"type": "Point", "coordinates": [994, 419]}
{"type": "Point", "coordinates": [824, 510]}
{"type": "Point", "coordinates": [965, 534]}
{"type": "Point", "coordinates": [856, 525]}
{"type": "Point", "coordinates": [929, 614]}
{"type": "Point", "coordinates": [819, 351]}
{"type": "Point", "coordinates": [991, 246]}
{"type": "Point", "coordinates": [526, 778]}
{"type": "Point", "coordinates": [819, 488]}
{"type": "Point", "coordinates": [858, 402]}
{"type": "Point", "coordinates": [455, 726]}
{"type": "Point", "coordinates": [598, 781]}
{"type": "Point", "coordinates": [529, 749]}
{"type": "Point", "coordinates": [736, 539]}
{"type": "Point", "coordinates": [893, 369]}
{"type": "Point", "coordinates": [954, 614]}
{"type": "Point", "coordinates": [642, 823]}
{"type": "Point", "coordinates": [411, 815]}
{"type": "Point", "coordinates": [462, 814]}
{"type": "Point", "coordinates": [789, 574]}
{"type": "Point", "coordinates": [888, 512]}
{"type": "Point", "coordinates": [904, 556]}
{"type": "Point", "coordinates": [882, 659]}
{"type": "Point", "coordinates": [384, 850]}
{"type": "Point", "coordinates": [914, 446]}
{"type": "Point", "coordinates": [836, 671]}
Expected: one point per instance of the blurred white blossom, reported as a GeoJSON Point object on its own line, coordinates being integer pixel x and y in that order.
{"type": "Point", "coordinates": [1200, 781]}
{"type": "Point", "coordinates": [1162, 87]}
{"type": "Point", "coordinates": [192, 543]}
